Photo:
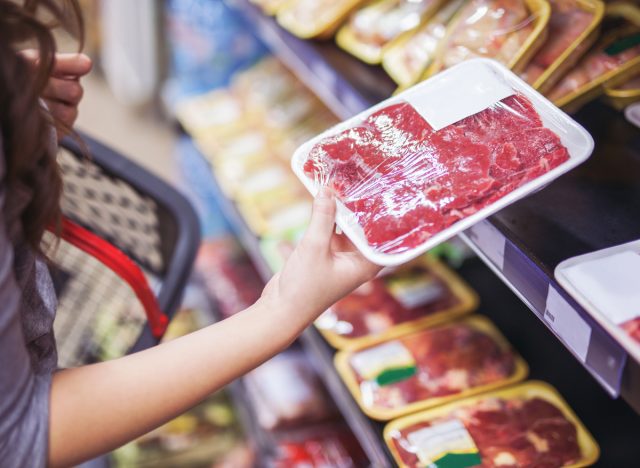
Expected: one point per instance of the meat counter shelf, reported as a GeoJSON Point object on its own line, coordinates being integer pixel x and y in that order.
{"type": "Point", "coordinates": [314, 63]}
{"type": "Point", "coordinates": [583, 211]}
{"type": "Point", "coordinates": [612, 424]}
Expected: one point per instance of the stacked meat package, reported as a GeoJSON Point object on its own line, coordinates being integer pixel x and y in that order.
{"type": "Point", "coordinates": [571, 50]}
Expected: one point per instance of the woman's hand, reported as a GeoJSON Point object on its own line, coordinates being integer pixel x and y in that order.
{"type": "Point", "coordinates": [322, 269]}
{"type": "Point", "coordinates": [63, 91]}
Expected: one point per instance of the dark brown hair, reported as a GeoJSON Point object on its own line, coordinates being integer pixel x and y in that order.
{"type": "Point", "coordinates": [31, 181]}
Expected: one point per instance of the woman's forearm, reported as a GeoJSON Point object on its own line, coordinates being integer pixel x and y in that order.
{"type": "Point", "coordinates": [97, 408]}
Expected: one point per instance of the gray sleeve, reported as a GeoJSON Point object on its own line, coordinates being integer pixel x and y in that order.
{"type": "Point", "coordinates": [24, 395]}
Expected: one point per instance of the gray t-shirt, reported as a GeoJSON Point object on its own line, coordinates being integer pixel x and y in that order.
{"type": "Point", "coordinates": [28, 355]}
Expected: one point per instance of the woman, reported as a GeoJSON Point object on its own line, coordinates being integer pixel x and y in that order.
{"type": "Point", "coordinates": [62, 417]}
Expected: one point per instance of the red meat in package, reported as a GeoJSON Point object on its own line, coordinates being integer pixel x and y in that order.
{"type": "Point", "coordinates": [429, 367]}
{"type": "Point", "coordinates": [524, 431]}
{"type": "Point", "coordinates": [420, 293]}
{"type": "Point", "coordinates": [404, 182]}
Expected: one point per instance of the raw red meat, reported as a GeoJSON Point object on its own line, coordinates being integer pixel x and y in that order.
{"type": "Point", "coordinates": [405, 182]}
{"type": "Point", "coordinates": [568, 20]}
{"type": "Point", "coordinates": [373, 308]}
{"type": "Point", "coordinates": [448, 360]}
{"type": "Point", "coordinates": [632, 327]}
{"type": "Point", "coordinates": [522, 433]}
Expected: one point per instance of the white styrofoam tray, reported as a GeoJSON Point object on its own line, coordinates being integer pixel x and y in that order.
{"type": "Point", "coordinates": [577, 291]}
{"type": "Point", "coordinates": [475, 76]}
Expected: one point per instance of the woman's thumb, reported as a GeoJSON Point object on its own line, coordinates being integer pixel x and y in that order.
{"type": "Point", "coordinates": [323, 218]}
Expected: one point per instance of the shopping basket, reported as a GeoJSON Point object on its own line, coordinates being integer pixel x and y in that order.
{"type": "Point", "coordinates": [127, 246]}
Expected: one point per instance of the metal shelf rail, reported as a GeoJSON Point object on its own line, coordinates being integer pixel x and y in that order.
{"type": "Point", "coordinates": [525, 242]}
{"type": "Point", "coordinates": [611, 422]}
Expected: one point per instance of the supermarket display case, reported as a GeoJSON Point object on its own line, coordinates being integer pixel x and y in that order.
{"type": "Point", "coordinates": [518, 248]}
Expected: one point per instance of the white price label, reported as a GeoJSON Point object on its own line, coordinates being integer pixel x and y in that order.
{"type": "Point", "coordinates": [489, 240]}
{"type": "Point", "coordinates": [454, 95]}
{"type": "Point", "coordinates": [567, 323]}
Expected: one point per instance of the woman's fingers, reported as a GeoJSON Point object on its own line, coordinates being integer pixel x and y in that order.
{"type": "Point", "coordinates": [65, 91]}
{"type": "Point", "coordinates": [71, 65]}
{"type": "Point", "coordinates": [323, 216]}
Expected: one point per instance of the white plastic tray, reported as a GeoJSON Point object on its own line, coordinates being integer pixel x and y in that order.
{"type": "Point", "coordinates": [470, 74]}
{"type": "Point", "coordinates": [577, 291]}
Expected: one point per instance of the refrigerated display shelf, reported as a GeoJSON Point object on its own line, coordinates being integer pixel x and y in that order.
{"type": "Point", "coordinates": [586, 210]}
{"type": "Point", "coordinates": [611, 421]}
{"type": "Point", "coordinates": [314, 63]}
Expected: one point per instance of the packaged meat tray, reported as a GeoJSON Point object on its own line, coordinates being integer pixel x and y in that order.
{"type": "Point", "coordinates": [509, 31]}
{"type": "Point", "coordinates": [526, 426]}
{"type": "Point", "coordinates": [423, 293]}
{"type": "Point", "coordinates": [372, 27]}
{"type": "Point", "coordinates": [429, 368]}
{"type": "Point", "coordinates": [625, 94]}
{"type": "Point", "coordinates": [218, 112]}
{"type": "Point", "coordinates": [572, 29]}
{"type": "Point", "coordinates": [612, 60]}
{"type": "Point", "coordinates": [315, 18]}
{"type": "Point", "coordinates": [430, 162]}
{"type": "Point", "coordinates": [407, 57]}
{"type": "Point", "coordinates": [605, 284]}
{"type": "Point", "coordinates": [286, 392]}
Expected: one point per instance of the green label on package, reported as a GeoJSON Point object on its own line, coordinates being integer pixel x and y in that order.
{"type": "Point", "coordinates": [445, 445]}
{"type": "Point", "coordinates": [385, 364]}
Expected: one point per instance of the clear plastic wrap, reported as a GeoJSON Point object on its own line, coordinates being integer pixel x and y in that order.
{"type": "Point", "coordinates": [315, 18]}
{"type": "Point", "coordinates": [528, 425]}
{"type": "Point", "coordinates": [372, 27]}
{"type": "Point", "coordinates": [406, 58]}
{"type": "Point", "coordinates": [504, 30]}
{"type": "Point", "coordinates": [424, 292]}
{"type": "Point", "coordinates": [422, 166]}
{"type": "Point", "coordinates": [429, 367]}
{"type": "Point", "coordinates": [571, 31]}
{"type": "Point", "coordinates": [615, 55]}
